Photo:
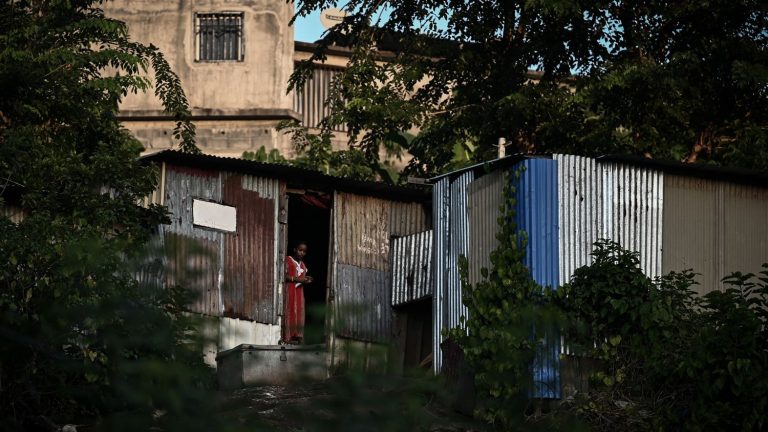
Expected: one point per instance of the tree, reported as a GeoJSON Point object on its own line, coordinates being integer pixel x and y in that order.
{"type": "Point", "coordinates": [81, 340]}
{"type": "Point", "coordinates": [673, 80]}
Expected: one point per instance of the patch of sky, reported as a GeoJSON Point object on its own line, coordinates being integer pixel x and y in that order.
{"type": "Point", "coordinates": [309, 29]}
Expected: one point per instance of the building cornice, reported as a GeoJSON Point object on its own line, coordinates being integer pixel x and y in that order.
{"type": "Point", "coordinates": [213, 114]}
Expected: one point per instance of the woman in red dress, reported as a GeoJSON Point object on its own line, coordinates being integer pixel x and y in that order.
{"type": "Point", "coordinates": [295, 279]}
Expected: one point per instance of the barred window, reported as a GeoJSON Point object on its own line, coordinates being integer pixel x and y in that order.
{"type": "Point", "coordinates": [219, 36]}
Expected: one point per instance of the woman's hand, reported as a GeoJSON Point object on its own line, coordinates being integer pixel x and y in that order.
{"type": "Point", "coordinates": [301, 279]}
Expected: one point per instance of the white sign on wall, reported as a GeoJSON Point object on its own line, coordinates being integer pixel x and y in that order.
{"type": "Point", "coordinates": [212, 215]}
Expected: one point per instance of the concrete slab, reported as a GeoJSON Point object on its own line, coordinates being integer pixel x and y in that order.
{"type": "Point", "coordinates": [251, 365]}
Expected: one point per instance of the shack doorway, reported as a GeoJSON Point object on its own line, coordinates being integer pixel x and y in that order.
{"type": "Point", "coordinates": [309, 218]}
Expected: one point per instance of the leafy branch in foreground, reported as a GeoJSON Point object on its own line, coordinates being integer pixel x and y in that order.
{"type": "Point", "coordinates": [83, 342]}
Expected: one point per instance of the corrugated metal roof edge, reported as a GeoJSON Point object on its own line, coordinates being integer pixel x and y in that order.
{"type": "Point", "coordinates": [488, 166]}
{"type": "Point", "coordinates": [712, 172]}
{"type": "Point", "coordinates": [296, 177]}
{"type": "Point", "coordinates": [731, 174]}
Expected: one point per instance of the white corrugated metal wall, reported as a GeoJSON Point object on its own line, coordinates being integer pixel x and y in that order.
{"type": "Point", "coordinates": [612, 201]}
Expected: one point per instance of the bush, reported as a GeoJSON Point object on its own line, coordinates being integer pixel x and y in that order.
{"type": "Point", "coordinates": [670, 359]}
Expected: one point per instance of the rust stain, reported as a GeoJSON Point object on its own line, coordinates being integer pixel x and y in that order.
{"type": "Point", "coordinates": [249, 256]}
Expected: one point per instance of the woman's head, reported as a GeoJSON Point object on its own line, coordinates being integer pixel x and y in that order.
{"type": "Point", "coordinates": [300, 250]}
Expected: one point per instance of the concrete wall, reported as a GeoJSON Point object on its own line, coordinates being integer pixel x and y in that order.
{"type": "Point", "coordinates": [233, 102]}
{"type": "Point", "coordinates": [223, 334]}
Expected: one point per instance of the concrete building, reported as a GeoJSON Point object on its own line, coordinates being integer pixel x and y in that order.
{"type": "Point", "coordinates": [233, 58]}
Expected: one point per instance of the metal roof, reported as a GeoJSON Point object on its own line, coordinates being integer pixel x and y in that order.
{"type": "Point", "coordinates": [295, 177]}
{"type": "Point", "coordinates": [713, 172]}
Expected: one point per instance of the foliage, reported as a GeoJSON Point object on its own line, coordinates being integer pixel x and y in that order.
{"type": "Point", "coordinates": [668, 359]}
{"type": "Point", "coordinates": [82, 340]}
{"type": "Point", "coordinates": [509, 320]}
{"type": "Point", "coordinates": [315, 152]}
{"type": "Point", "coordinates": [261, 155]}
{"type": "Point", "coordinates": [662, 357]}
{"type": "Point", "coordinates": [672, 80]}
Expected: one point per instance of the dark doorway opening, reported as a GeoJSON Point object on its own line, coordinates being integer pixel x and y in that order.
{"type": "Point", "coordinates": [413, 334]}
{"type": "Point", "coordinates": [309, 218]}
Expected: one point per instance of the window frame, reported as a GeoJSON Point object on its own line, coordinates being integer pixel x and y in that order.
{"type": "Point", "coordinates": [198, 19]}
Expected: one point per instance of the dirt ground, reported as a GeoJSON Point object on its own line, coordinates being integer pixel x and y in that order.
{"type": "Point", "coordinates": [349, 403]}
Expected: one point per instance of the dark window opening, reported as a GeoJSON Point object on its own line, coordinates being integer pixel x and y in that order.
{"type": "Point", "coordinates": [219, 36]}
{"type": "Point", "coordinates": [309, 219]}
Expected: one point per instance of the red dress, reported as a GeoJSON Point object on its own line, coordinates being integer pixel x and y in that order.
{"type": "Point", "coordinates": [293, 326]}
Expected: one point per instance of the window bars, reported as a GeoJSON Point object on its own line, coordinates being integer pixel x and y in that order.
{"type": "Point", "coordinates": [219, 36]}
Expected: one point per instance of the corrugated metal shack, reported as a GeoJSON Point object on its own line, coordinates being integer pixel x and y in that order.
{"type": "Point", "coordinates": [233, 222]}
{"type": "Point", "coordinates": [676, 216]}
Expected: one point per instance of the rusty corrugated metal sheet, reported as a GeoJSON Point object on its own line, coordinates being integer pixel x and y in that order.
{"type": "Point", "coordinates": [633, 208]}
{"type": "Point", "coordinates": [363, 231]}
{"type": "Point", "coordinates": [713, 227]}
{"type": "Point", "coordinates": [189, 247]}
{"type": "Point", "coordinates": [265, 187]}
{"type": "Point", "coordinates": [408, 218]}
{"type": "Point", "coordinates": [273, 189]}
{"type": "Point", "coordinates": [363, 304]}
{"type": "Point", "coordinates": [193, 263]}
{"type": "Point", "coordinates": [411, 267]}
{"type": "Point", "coordinates": [485, 198]}
{"type": "Point", "coordinates": [248, 289]}
{"type": "Point", "coordinates": [182, 186]}
{"type": "Point", "coordinates": [581, 202]}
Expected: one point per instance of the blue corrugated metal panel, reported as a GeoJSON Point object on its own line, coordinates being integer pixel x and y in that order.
{"type": "Point", "coordinates": [440, 214]}
{"type": "Point", "coordinates": [536, 213]}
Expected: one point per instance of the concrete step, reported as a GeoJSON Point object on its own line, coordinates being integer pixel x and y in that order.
{"type": "Point", "coordinates": [251, 365]}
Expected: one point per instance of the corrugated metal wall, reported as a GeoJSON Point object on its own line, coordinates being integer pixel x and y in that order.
{"type": "Point", "coordinates": [612, 201]}
{"type": "Point", "coordinates": [248, 289]}
{"type": "Point", "coordinates": [451, 229]}
{"type": "Point", "coordinates": [536, 214]}
{"type": "Point", "coordinates": [459, 226]}
{"type": "Point", "coordinates": [581, 211]}
{"type": "Point", "coordinates": [408, 218]}
{"type": "Point", "coordinates": [193, 255]}
{"type": "Point", "coordinates": [235, 274]}
{"type": "Point", "coordinates": [485, 198]}
{"type": "Point", "coordinates": [411, 268]}
{"type": "Point", "coordinates": [363, 227]}
{"type": "Point", "coordinates": [713, 227]}
{"type": "Point", "coordinates": [363, 304]}
{"type": "Point", "coordinates": [441, 199]}
{"type": "Point", "coordinates": [633, 206]}
{"type": "Point", "coordinates": [310, 102]}
{"type": "Point", "coordinates": [274, 190]}
{"type": "Point", "coordinates": [363, 236]}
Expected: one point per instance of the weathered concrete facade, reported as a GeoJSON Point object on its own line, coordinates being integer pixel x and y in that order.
{"type": "Point", "coordinates": [235, 103]}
